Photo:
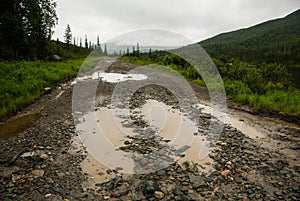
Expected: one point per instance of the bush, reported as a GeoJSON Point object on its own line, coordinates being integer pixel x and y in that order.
{"type": "Point", "coordinates": [21, 82]}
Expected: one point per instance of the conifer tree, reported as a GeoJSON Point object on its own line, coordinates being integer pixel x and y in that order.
{"type": "Point", "coordinates": [105, 50]}
{"type": "Point", "coordinates": [68, 35]}
{"type": "Point", "coordinates": [86, 42]}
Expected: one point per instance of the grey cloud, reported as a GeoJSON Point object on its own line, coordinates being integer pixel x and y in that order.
{"type": "Point", "coordinates": [196, 19]}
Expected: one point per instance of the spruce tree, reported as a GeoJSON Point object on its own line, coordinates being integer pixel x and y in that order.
{"type": "Point", "coordinates": [105, 50]}
{"type": "Point", "coordinates": [98, 41]}
{"type": "Point", "coordinates": [68, 35]}
{"type": "Point", "coordinates": [86, 42]}
{"type": "Point", "coordinates": [137, 49]}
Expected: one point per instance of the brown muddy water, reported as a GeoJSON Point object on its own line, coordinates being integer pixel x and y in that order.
{"type": "Point", "coordinates": [171, 124]}
{"type": "Point", "coordinates": [12, 127]}
{"type": "Point", "coordinates": [235, 122]}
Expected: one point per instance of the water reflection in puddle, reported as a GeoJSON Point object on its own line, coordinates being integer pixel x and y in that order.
{"type": "Point", "coordinates": [169, 123]}
{"type": "Point", "coordinates": [234, 122]}
{"type": "Point", "coordinates": [13, 127]}
{"type": "Point", "coordinates": [102, 132]}
{"type": "Point", "coordinates": [110, 77]}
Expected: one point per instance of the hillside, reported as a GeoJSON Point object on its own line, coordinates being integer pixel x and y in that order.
{"type": "Point", "coordinates": [272, 41]}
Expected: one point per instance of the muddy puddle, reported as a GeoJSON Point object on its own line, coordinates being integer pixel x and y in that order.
{"type": "Point", "coordinates": [11, 128]}
{"type": "Point", "coordinates": [170, 123]}
{"type": "Point", "coordinates": [110, 77]}
{"type": "Point", "coordinates": [105, 131]}
{"type": "Point", "coordinates": [235, 122]}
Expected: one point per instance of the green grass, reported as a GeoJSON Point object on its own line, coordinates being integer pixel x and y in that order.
{"type": "Point", "coordinates": [21, 82]}
{"type": "Point", "coordinates": [284, 102]}
{"type": "Point", "coordinates": [272, 97]}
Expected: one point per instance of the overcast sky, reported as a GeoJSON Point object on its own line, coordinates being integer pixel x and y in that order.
{"type": "Point", "coordinates": [194, 19]}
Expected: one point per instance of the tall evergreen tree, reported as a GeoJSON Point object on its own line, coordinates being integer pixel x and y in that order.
{"type": "Point", "coordinates": [98, 41]}
{"type": "Point", "coordinates": [105, 50]}
{"type": "Point", "coordinates": [68, 35]}
{"type": "Point", "coordinates": [137, 49]}
{"type": "Point", "coordinates": [26, 28]}
{"type": "Point", "coordinates": [86, 42]}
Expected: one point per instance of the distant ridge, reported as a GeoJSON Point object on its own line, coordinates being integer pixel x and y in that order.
{"type": "Point", "coordinates": [276, 40]}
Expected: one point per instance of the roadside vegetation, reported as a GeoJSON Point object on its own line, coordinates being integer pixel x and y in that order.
{"type": "Point", "coordinates": [265, 86]}
{"type": "Point", "coordinates": [23, 82]}
{"type": "Point", "coordinates": [30, 60]}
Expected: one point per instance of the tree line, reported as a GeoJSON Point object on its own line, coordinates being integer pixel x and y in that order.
{"type": "Point", "coordinates": [26, 27]}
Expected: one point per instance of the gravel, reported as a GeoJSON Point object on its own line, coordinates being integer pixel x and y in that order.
{"type": "Point", "coordinates": [39, 164]}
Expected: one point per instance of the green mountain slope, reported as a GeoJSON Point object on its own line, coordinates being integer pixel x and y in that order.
{"type": "Point", "coordinates": [272, 41]}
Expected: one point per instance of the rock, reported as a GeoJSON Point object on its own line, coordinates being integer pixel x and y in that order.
{"type": "Point", "coordinates": [56, 58]}
{"type": "Point", "coordinates": [120, 193]}
{"type": "Point", "coordinates": [221, 143]}
{"type": "Point", "coordinates": [53, 197]}
{"type": "Point", "coordinates": [229, 163]}
{"type": "Point", "coordinates": [44, 156]}
{"type": "Point", "coordinates": [159, 194]}
{"type": "Point", "coordinates": [149, 187]}
{"type": "Point", "coordinates": [48, 195]}
{"type": "Point", "coordinates": [116, 182]}
{"type": "Point", "coordinates": [38, 173]}
{"type": "Point", "coordinates": [182, 149]}
{"type": "Point", "coordinates": [225, 172]}
{"type": "Point", "coordinates": [68, 122]}
{"type": "Point", "coordinates": [119, 168]}
{"type": "Point", "coordinates": [59, 190]}
{"type": "Point", "coordinates": [27, 154]}
{"type": "Point", "coordinates": [47, 90]}
{"type": "Point", "coordinates": [252, 195]}
{"type": "Point", "coordinates": [15, 178]}
{"type": "Point", "coordinates": [161, 173]}
{"type": "Point", "coordinates": [197, 181]}
{"type": "Point", "coordinates": [278, 193]}
{"type": "Point", "coordinates": [237, 180]}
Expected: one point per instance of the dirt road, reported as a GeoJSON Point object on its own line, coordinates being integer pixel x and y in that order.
{"type": "Point", "coordinates": [255, 158]}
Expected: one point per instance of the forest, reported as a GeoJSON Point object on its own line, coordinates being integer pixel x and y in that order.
{"type": "Point", "coordinates": [264, 86]}
{"type": "Point", "coordinates": [253, 62]}
{"type": "Point", "coordinates": [27, 65]}
{"type": "Point", "coordinates": [272, 41]}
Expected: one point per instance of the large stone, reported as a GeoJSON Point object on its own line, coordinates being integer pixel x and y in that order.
{"type": "Point", "coordinates": [225, 172]}
{"type": "Point", "coordinates": [56, 58]}
{"type": "Point", "coordinates": [150, 187]}
{"type": "Point", "coordinates": [38, 173]}
{"type": "Point", "coordinates": [159, 194]}
{"type": "Point", "coordinates": [197, 181]}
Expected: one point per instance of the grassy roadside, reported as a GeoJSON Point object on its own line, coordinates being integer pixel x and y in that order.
{"type": "Point", "coordinates": [250, 89]}
{"type": "Point", "coordinates": [22, 82]}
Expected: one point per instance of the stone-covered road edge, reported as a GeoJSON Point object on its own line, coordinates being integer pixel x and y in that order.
{"type": "Point", "coordinates": [42, 164]}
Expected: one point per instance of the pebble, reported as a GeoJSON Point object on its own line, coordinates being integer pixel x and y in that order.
{"type": "Point", "coordinates": [159, 194]}
{"type": "Point", "coordinates": [58, 173]}
{"type": "Point", "coordinates": [38, 173]}
{"type": "Point", "coordinates": [225, 172]}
